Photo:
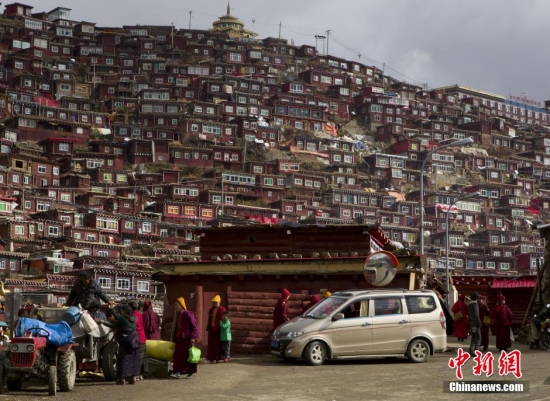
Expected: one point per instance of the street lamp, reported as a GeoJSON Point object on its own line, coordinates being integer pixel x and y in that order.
{"type": "Point", "coordinates": [320, 37]}
{"type": "Point", "coordinates": [465, 141]}
{"type": "Point", "coordinates": [469, 196]}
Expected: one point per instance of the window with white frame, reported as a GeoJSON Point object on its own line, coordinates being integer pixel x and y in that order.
{"type": "Point", "coordinates": [104, 282]}
{"type": "Point", "coordinates": [143, 286]}
{"type": "Point", "coordinates": [123, 284]}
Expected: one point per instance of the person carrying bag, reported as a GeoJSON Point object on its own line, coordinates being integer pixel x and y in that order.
{"type": "Point", "coordinates": [186, 333]}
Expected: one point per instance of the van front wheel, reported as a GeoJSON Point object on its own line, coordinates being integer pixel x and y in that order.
{"type": "Point", "coordinates": [315, 353]}
{"type": "Point", "coordinates": [418, 351]}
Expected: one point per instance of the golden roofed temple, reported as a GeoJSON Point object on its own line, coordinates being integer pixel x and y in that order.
{"type": "Point", "coordinates": [232, 26]}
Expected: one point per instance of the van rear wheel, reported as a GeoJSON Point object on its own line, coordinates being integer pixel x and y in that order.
{"type": "Point", "coordinates": [315, 353]}
{"type": "Point", "coordinates": [418, 351]}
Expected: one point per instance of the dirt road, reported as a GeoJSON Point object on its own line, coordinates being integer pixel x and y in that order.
{"type": "Point", "coordinates": [263, 378]}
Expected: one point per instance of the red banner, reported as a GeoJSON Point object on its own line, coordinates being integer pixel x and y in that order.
{"type": "Point", "coordinates": [46, 102]}
{"type": "Point", "coordinates": [264, 220]}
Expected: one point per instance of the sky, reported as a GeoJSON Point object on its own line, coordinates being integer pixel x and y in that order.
{"type": "Point", "coordinates": [493, 45]}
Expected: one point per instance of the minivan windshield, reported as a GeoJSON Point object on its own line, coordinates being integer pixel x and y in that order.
{"type": "Point", "coordinates": [325, 307]}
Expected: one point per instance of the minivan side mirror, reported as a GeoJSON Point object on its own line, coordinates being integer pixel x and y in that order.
{"type": "Point", "coordinates": [337, 316]}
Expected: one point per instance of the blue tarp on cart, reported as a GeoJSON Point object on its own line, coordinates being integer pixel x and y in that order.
{"type": "Point", "coordinates": [57, 334]}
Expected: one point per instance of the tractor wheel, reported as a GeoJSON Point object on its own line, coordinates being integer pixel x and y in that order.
{"type": "Point", "coordinates": [66, 367]}
{"type": "Point", "coordinates": [14, 384]}
{"type": "Point", "coordinates": [52, 380]}
{"type": "Point", "coordinates": [109, 356]}
{"type": "Point", "coordinates": [2, 388]}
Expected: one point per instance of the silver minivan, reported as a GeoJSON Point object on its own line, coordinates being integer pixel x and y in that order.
{"type": "Point", "coordinates": [362, 323]}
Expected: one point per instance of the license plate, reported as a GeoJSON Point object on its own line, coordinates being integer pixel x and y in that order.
{"type": "Point", "coordinates": [275, 344]}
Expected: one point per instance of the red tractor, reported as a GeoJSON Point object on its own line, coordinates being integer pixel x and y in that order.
{"type": "Point", "coordinates": [30, 357]}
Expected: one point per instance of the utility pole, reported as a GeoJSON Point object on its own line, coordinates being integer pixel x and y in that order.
{"type": "Point", "coordinates": [383, 72]}
{"type": "Point", "coordinates": [190, 12]}
{"type": "Point", "coordinates": [328, 35]}
{"type": "Point", "coordinates": [244, 153]}
{"type": "Point", "coordinates": [279, 29]}
{"type": "Point", "coordinates": [95, 61]}
{"type": "Point", "coordinates": [172, 42]}
{"type": "Point", "coordinates": [223, 197]}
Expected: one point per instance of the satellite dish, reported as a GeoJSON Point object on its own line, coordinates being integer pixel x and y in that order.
{"type": "Point", "coordinates": [380, 268]}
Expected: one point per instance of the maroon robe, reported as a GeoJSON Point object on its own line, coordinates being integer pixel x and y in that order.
{"type": "Point", "coordinates": [213, 327]}
{"type": "Point", "coordinates": [461, 326]}
{"type": "Point", "coordinates": [313, 301]}
{"type": "Point", "coordinates": [502, 321]}
{"type": "Point", "coordinates": [151, 322]}
{"type": "Point", "coordinates": [280, 313]}
{"type": "Point", "coordinates": [186, 330]}
{"type": "Point", "coordinates": [484, 311]}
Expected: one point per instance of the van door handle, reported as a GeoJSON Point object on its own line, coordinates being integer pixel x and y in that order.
{"type": "Point", "coordinates": [403, 321]}
{"type": "Point", "coordinates": [366, 324]}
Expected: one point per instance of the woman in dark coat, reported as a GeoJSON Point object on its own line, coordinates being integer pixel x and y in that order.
{"type": "Point", "coordinates": [483, 312]}
{"type": "Point", "coordinates": [127, 367]}
{"type": "Point", "coordinates": [461, 325]}
{"type": "Point", "coordinates": [502, 322]}
{"type": "Point", "coordinates": [151, 321]}
{"type": "Point", "coordinates": [185, 333]}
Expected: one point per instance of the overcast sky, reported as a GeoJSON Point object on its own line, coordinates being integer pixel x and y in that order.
{"type": "Point", "coordinates": [492, 45]}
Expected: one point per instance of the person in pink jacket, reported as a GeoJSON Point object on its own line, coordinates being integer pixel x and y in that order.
{"type": "Point", "coordinates": [143, 365]}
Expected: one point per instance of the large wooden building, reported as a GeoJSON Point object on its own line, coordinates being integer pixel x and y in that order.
{"type": "Point", "coordinates": [249, 266]}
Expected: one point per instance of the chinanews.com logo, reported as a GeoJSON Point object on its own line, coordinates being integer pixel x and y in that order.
{"type": "Point", "coordinates": [509, 365]}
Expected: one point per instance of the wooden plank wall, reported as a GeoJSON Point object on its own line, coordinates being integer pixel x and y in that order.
{"type": "Point", "coordinates": [251, 315]}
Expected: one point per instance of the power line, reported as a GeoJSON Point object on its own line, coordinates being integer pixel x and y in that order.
{"type": "Point", "coordinates": [373, 60]}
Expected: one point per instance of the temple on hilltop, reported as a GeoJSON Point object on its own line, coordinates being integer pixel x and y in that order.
{"type": "Point", "coordinates": [232, 26]}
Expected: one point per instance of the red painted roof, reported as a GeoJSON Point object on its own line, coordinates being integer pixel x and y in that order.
{"type": "Point", "coordinates": [514, 283]}
{"type": "Point", "coordinates": [74, 140]}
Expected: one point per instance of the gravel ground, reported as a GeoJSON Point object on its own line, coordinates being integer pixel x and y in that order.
{"type": "Point", "coordinates": [263, 378]}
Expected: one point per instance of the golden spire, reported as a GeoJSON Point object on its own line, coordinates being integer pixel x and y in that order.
{"type": "Point", "coordinates": [228, 9]}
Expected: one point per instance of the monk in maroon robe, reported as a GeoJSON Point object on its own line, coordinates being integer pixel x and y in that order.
{"type": "Point", "coordinates": [484, 311]}
{"type": "Point", "coordinates": [280, 313]}
{"type": "Point", "coordinates": [151, 321]}
{"type": "Point", "coordinates": [214, 354]}
{"type": "Point", "coordinates": [314, 299]}
{"type": "Point", "coordinates": [502, 322]}
{"type": "Point", "coordinates": [185, 333]}
{"type": "Point", "coordinates": [461, 325]}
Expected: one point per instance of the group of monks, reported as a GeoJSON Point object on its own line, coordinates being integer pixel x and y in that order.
{"type": "Point", "coordinates": [499, 321]}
